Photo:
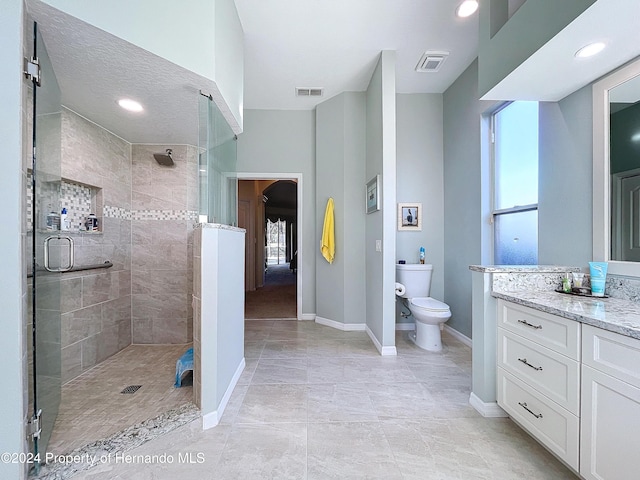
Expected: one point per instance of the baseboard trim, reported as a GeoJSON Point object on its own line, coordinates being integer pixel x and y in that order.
{"type": "Point", "coordinates": [384, 351]}
{"type": "Point", "coordinates": [463, 338]}
{"type": "Point", "coordinates": [405, 326]}
{"type": "Point", "coordinates": [486, 409]}
{"type": "Point", "coordinates": [345, 327]}
{"type": "Point", "coordinates": [212, 419]}
{"type": "Point", "coordinates": [308, 316]}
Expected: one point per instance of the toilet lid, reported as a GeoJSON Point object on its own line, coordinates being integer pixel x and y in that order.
{"type": "Point", "coordinates": [429, 303]}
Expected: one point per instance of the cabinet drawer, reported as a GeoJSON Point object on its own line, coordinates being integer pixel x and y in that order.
{"type": "Point", "coordinates": [554, 375]}
{"type": "Point", "coordinates": [612, 353]}
{"type": "Point", "coordinates": [559, 334]}
{"type": "Point", "coordinates": [553, 426]}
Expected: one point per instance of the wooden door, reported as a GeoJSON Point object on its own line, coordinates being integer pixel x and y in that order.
{"type": "Point", "coordinates": [245, 220]}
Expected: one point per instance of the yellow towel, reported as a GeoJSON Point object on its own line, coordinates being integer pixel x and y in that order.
{"type": "Point", "coordinates": [328, 242]}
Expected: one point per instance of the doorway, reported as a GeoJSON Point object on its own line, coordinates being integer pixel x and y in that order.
{"type": "Point", "coordinates": [269, 208]}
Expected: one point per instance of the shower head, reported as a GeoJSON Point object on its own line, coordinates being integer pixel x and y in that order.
{"type": "Point", "coordinates": [164, 159]}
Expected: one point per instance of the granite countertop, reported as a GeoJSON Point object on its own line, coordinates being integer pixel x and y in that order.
{"type": "Point", "coordinates": [613, 314]}
{"type": "Point", "coordinates": [522, 268]}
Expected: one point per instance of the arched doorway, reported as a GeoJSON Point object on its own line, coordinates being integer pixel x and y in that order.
{"type": "Point", "coordinates": [268, 210]}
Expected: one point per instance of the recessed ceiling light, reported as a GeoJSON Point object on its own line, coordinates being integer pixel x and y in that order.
{"type": "Point", "coordinates": [467, 8]}
{"type": "Point", "coordinates": [130, 105]}
{"type": "Point", "coordinates": [590, 50]}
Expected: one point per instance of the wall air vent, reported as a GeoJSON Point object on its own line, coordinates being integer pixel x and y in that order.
{"type": "Point", "coordinates": [308, 92]}
{"type": "Point", "coordinates": [431, 61]}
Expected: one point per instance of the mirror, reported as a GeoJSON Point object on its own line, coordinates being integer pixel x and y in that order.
{"type": "Point", "coordinates": [624, 170]}
{"type": "Point", "coordinates": [616, 170]}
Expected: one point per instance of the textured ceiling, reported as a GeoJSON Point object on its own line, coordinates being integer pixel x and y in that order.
{"type": "Point", "coordinates": [94, 69]}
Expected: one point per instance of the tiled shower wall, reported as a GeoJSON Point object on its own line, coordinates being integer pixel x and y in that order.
{"type": "Point", "coordinates": [96, 304]}
{"type": "Point", "coordinates": [164, 208]}
{"type": "Point", "coordinates": [148, 213]}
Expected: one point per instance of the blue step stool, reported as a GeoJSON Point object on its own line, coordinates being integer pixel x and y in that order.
{"type": "Point", "coordinates": [183, 365]}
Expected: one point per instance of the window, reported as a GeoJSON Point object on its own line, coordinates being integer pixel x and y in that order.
{"type": "Point", "coordinates": [514, 133]}
{"type": "Point", "coordinates": [276, 242]}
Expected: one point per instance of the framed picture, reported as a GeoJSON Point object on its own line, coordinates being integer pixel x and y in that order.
{"type": "Point", "coordinates": [373, 194]}
{"type": "Point", "coordinates": [410, 216]}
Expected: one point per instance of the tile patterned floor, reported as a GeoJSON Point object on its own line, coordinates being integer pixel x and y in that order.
{"type": "Point", "coordinates": [92, 406]}
{"type": "Point", "coordinates": [317, 403]}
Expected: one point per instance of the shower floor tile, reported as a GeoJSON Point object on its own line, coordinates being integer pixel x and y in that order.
{"type": "Point", "coordinates": [93, 408]}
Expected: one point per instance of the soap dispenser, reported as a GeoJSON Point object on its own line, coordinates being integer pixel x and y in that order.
{"type": "Point", "coordinates": [64, 223]}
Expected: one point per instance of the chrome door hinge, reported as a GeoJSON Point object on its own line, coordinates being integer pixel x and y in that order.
{"type": "Point", "coordinates": [32, 70]}
{"type": "Point", "coordinates": [34, 428]}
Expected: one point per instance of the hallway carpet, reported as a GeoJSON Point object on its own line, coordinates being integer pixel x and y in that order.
{"type": "Point", "coordinates": [276, 299]}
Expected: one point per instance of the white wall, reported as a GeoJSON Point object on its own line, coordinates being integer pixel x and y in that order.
{"type": "Point", "coordinates": [276, 141]}
{"type": "Point", "coordinates": [12, 281]}
{"type": "Point", "coordinates": [420, 178]}
{"type": "Point", "coordinates": [354, 173]}
{"type": "Point", "coordinates": [533, 25]}
{"type": "Point", "coordinates": [564, 196]}
{"type": "Point", "coordinates": [463, 186]}
{"type": "Point", "coordinates": [229, 56]}
{"type": "Point", "coordinates": [565, 181]}
{"type": "Point", "coordinates": [381, 160]}
{"type": "Point", "coordinates": [340, 163]}
{"type": "Point", "coordinates": [330, 182]}
{"type": "Point", "coordinates": [219, 329]}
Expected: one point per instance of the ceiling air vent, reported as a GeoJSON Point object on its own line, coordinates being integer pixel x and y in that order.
{"type": "Point", "coordinates": [431, 61]}
{"type": "Point", "coordinates": [308, 92]}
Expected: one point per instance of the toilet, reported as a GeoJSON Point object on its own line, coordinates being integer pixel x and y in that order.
{"type": "Point", "coordinates": [428, 312]}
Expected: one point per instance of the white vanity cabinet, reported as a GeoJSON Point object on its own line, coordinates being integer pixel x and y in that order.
{"type": "Point", "coordinates": [610, 432]}
{"type": "Point", "coordinates": [538, 376]}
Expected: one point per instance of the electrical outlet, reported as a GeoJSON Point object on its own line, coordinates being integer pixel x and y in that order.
{"type": "Point", "coordinates": [378, 245]}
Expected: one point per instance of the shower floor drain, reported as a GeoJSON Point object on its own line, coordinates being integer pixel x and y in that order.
{"type": "Point", "coordinates": [131, 389]}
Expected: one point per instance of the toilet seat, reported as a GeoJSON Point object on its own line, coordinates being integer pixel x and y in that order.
{"type": "Point", "coordinates": [430, 304]}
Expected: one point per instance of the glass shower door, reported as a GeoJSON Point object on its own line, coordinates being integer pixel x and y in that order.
{"type": "Point", "coordinates": [218, 166]}
{"type": "Point", "coordinates": [49, 252]}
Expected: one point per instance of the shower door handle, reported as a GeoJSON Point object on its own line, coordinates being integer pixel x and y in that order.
{"type": "Point", "coordinates": [46, 253]}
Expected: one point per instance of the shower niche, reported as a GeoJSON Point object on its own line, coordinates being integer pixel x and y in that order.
{"type": "Point", "coordinates": [79, 201]}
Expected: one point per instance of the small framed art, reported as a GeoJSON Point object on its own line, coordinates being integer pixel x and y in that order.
{"type": "Point", "coordinates": [410, 216]}
{"type": "Point", "coordinates": [373, 194]}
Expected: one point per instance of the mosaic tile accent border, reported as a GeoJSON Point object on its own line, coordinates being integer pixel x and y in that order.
{"type": "Point", "coordinates": [125, 214]}
{"type": "Point", "coordinates": [29, 200]}
{"type": "Point", "coordinates": [161, 214]}
{"type": "Point", "coordinates": [116, 212]}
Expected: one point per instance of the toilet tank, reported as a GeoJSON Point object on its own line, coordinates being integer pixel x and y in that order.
{"type": "Point", "coordinates": [416, 278]}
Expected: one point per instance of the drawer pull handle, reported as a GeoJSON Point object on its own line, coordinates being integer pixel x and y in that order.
{"type": "Point", "coordinates": [524, 405]}
{"type": "Point", "coordinates": [524, 360]}
{"type": "Point", "coordinates": [524, 322]}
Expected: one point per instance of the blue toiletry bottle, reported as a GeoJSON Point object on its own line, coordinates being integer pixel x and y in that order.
{"type": "Point", "coordinates": [422, 255]}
